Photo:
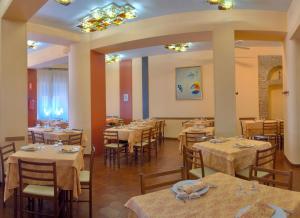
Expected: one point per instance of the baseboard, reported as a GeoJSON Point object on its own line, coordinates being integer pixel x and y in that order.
{"type": "Point", "coordinates": [289, 162]}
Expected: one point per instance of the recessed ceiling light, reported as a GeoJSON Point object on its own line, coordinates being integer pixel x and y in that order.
{"type": "Point", "coordinates": [32, 44]}
{"type": "Point", "coordinates": [213, 2]}
{"type": "Point", "coordinates": [222, 4]}
{"type": "Point", "coordinates": [64, 2]}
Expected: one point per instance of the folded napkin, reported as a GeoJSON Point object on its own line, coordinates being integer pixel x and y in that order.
{"type": "Point", "coordinates": [189, 189]}
{"type": "Point", "coordinates": [259, 209]}
{"type": "Point", "coordinates": [218, 140]}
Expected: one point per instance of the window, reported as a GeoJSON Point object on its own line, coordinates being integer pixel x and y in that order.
{"type": "Point", "coordinates": [52, 94]}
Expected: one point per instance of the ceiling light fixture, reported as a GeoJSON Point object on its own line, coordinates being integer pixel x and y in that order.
{"type": "Point", "coordinates": [222, 4]}
{"type": "Point", "coordinates": [64, 2]}
{"type": "Point", "coordinates": [101, 18]}
{"type": "Point", "coordinates": [32, 44]}
{"type": "Point", "coordinates": [112, 58]}
{"type": "Point", "coordinates": [178, 47]}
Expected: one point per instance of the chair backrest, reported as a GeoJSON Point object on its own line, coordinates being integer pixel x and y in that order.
{"type": "Point", "coordinates": [184, 122]}
{"type": "Point", "coordinates": [155, 132]}
{"type": "Point", "coordinates": [79, 130]}
{"type": "Point", "coordinates": [242, 119]}
{"type": "Point", "coordinates": [30, 136]}
{"type": "Point", "coordinates": [193, 137]}
{"type": "Point", "coordinates": [38, 137]}
{"type": "Point", "coordinates": [5, 152]}
{"type": "Point", "coordinates": [147, 178]}
{"type": "Point", "coordinates": [281, 127]}
{"type": "Point", "coordinates": [75, 139]}
{"type": "Point", "coordinates": [146, 136]}
{"type": "Point", "coordinates": [111, 137]}
{"type": "Point", "coordinates": [270, 127]}
{"type": "Point", "coordinates": [285, 181]}
{"type": "Point", "coordinates": [266, 156]}
{"type": "Point", "coordinates": [192, 159]}
{"type": "Point", "coordinates": [37, 173]}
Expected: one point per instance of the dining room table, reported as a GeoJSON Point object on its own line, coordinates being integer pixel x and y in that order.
{"type": "Point", "coordinates": [130, 133]}
{"type": "Point", "coordinates": [53, 134]}
{"type": "Point", "coordinates": [227, 197]}
{"type": "Point", "coordinates": [68, 166]}
{"type": "Point", "coordinates": [229, 155]}
{"type": "Point", "coordinates": [196, 122]}
{"type": "Point", "coordinates": [252, 128]}
{"type": "Point", "coordinates": [208, 131]}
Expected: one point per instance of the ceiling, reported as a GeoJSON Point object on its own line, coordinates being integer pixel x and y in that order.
{"type": "Point", "coordinates": [196, 46]}
{"type": "Point", "coordinates": [67, 17]}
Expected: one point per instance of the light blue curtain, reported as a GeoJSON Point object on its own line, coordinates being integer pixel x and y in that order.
{"type": "Point", "coordinates": [52, 94]}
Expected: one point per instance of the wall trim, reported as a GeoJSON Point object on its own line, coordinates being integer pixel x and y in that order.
{"type": "Point", "coordinates": [289, 162]}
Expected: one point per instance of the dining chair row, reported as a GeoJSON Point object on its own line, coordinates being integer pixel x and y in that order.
{"type": "Point", "coordinates": [39, 137]}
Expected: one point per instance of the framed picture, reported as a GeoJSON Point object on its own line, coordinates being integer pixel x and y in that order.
{"type": "Point", "coordinates": [189, 83]}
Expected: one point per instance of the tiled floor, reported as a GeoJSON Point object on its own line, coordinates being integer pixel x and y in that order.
{"type": "Point", "coordinates": [113, 187]}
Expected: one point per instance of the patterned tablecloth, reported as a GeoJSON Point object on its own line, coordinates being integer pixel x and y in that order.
{"type": "Point", "coordinates": [225, 201]}
{"type": "Point", "coordinates": [254, 127]}
{"type": "Point", "coordinates": [209, 131]}
{"type": "Point", "coordinates": [228, 159]}
{"type": "Point", "coordinates": [68, 166]}
{"type": "Point", "coordinates": [61, 134]}
{"type": "Point", "coordinates": [130, 134]}
{"type": "Point", "coordinates": [198, 122]}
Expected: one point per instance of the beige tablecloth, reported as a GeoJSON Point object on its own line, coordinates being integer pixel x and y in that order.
{"type": "Point", "coordinates": [209, 131]}
{"type": "Point", "coordinates": [68, 166]}
{"type": "Point", "coordinates": [130, 134]}
{"type": "Point", "coordinates": [228, 159]}
{"type": "Point", "coordinates": [254, 127]}
{"type": "Point", "coordinates": [198, 122]}
{"type": "Point", "coordinates": [221, 202]}
{"type": "Point", "coordinates": [52, 134]}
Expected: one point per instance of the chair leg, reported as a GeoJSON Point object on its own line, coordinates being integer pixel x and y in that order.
{"type": "Point", "coordinates": [90, 202]}
{"type": "Point", "coordinates": [118, 158]}
{"type": "Point", "coordinates": [16, 203]}
{"type": "Point", "coordinates": [105, 156]}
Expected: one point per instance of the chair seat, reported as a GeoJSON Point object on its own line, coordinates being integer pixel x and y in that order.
{"type": "Point", "coordinates": [153, 140]}
{"type": "Point", "coordinates": [198, 172]}
{"type": "Point", "coordinates": [114, 145]}
{"type": "Point", "coordinates": [84, 176]}
{"type": "Point", "coordinates": [141, 144]}
{"type": "Point", "coordinates": [40, 190]}
{"type": "Point", "coordinates": [244, 173]}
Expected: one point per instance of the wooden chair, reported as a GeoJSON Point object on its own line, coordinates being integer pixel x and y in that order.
{"type": "Point", "coordinates": [31, 174]}
{"type": "Point", "coordinates": [30, 137]}
{"type": "Point", "coordinates": [193, 163]}
{"type": "Point", "coordinates": [162, 124]}
{"type": "Point", "coordinates": [86, 179]}
{"type": "Point", "coordinates": [270, 133]}
{"type": "Point", "coordinates": [38, 137]}
{"type": "Point", "coordinates": [184, 122]}
{"type": "Point", "coordinates": [79, 130]}
{"type": "Point", "coordinates": [113, 148]}
{"type": "Point", "coordinates": [281, 135]}
{"type": "Point", "coordinates": [155, 138]}
{"type": "Point", "coordinates": [147, 178]}
{"type": "Point", "coordinates": [242, 119]}
{"type": "Point", "coordinates": [264, 158]}
{"type": "Point", "coordinates": [75, 139]}
{"type": "Point", "coordinates": [285, 181]}
{"type": "Point", "coordinates": [5, 152]}
{"type": "Point", "coordinates": [144, 145]}
{"type": "Point", "coordinates": [194, 137]}
{"type": "Point", "coordinates": [212, 121]}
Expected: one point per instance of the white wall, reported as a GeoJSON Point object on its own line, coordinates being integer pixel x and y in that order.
{"type": "Point", "coordinates": [162, 99]}
{"type": "Point", "coordinates": [137, 89]}
{"type": "Point", "coordinates": [112, 89]}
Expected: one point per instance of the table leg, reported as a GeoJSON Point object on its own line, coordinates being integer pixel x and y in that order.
{"type": "Point", "coordinates": [15, 203]}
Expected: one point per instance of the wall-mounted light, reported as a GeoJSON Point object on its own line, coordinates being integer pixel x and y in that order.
{"type": "Point", "coordinates": [286, 92]}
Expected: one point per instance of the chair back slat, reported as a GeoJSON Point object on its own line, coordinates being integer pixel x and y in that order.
{"type": "Point", "coordinates": [146, 178]}
{"type": "Point", "coordinates": [285, 181]}
{"type": "Point", "coordinates": [266, 156]}
{"type": "Point", "coordinates": [111, 137]}
{"type": "Point", "coordinates": [30, 136]}
{"type": "Point", "coordinates": [38, 137]}
{"type": "Point", "coordinates": [281, 127]}
{"type": "Point", "coordinates": [270, 127]}
{"type": "Point", "coordinates": [75, 139]}
{"type": "Point", "coordinates": [192, 159]}
{"type": "Point", "coordinates": [192, 137]}
{"type": "Point", "coordinates": [5, 152]}
{"type": "Point", "coordinates": [146, 136]}
{"type": "Point", "coordinates": [242, 119]}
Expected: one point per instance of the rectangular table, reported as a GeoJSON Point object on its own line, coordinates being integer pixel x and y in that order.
{"type": "Point", "coordinates": [226, 158]}
{"type": "Point", "coordinates": [61, 134]}
{"type": "Point", "coordinates": [68, 166]}
{"type": "Point", "coordinates": [209, 131]}
{"type": "Point", "coordinates": [194, 122]}
{"type": "Point", "coordinates": [221, 202]}
{"type": "Point", "coordinates": [255, 127]}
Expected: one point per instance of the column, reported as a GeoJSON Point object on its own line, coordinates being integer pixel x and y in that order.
{"type": "Point", "coordinates": [292, 101]}
{"type": "Point", "coordinates": [145, 82]}
{"type": "Point", "coordinates": [13, 82]}
{"type": "Point", "coordinates": [224, 81]}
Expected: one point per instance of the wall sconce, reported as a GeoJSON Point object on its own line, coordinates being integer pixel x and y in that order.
{"type": "Point", "coordinates": [236, 93]}
{"type": "Point", "coordinates": [286, 92]}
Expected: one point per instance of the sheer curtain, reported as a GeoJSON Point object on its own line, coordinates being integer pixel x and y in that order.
{"type": "Point", "coordinates": [52, 94]}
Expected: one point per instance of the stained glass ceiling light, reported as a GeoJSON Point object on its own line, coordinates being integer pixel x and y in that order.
{"type": "Point", "coordinates": [101, 18]}
{"type": "Point", "coordinates": [64, 2]}
{"type": "Point", "coordinates": [112, 58]}
{"type": "Point", "coordinates": [213, 2]}
{"type": "Point", "coordinates": [32, 44]}
{"type": "Point", "coordinates": [179, 47]}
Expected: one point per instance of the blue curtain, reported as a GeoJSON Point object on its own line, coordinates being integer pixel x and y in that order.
{"type": "Point", "coordinates": [52, 94]}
